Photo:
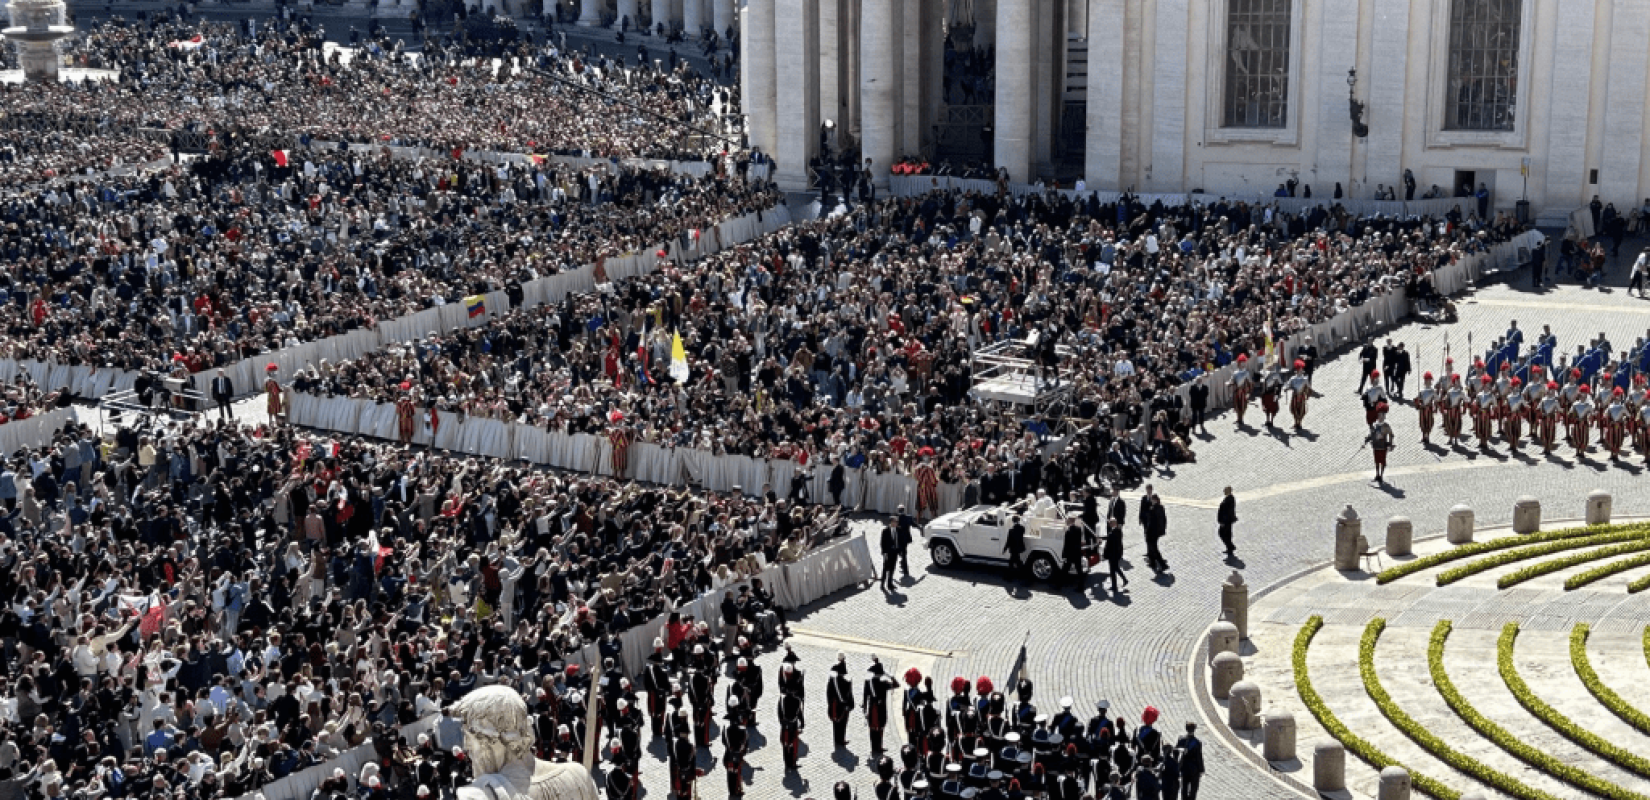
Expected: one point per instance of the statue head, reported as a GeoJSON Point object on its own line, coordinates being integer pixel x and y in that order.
{"type": "Point", "coordinates": [497, 728]}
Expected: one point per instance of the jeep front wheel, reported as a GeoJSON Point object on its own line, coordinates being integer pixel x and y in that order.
{"type": "Point", "coordinates": [1042, 566]}
{"type": "Point", "coordinates": [944, 554]}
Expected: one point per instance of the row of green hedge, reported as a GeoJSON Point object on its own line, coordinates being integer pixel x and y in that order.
{"type": "Point", "coordinates": [1353, 743]}
{"type": "Point", "coordinates": [1397, 571]}
{"type": "Point", "coordinates": [1500, 781]}
{"type": "Point", "coordinates": [1602, 571]}
{"type": "Point", "coordinates": [1508, 556]}
{"type": "Point", "coordinates": [1606, 696]}
{"type": "Point", "coordinates": [1639, 585]}
{"type": "Point", "coordinates": [1556, 720]}
{"type": "Point", "coordinates": [1538, 569]}
{"type": "Point", "coordinates": [1533, 756]}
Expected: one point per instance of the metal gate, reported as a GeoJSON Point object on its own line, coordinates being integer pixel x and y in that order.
{"type": "Point", "coordinates": [964, 132]}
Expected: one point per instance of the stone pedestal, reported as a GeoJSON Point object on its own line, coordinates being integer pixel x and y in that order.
{"type": "Point", "coordinates": [1598, 507]}
{"type": "Point", "coordinates": [1243, 707]}
{"type": "Point", "coordinates": [1279, 734]}
{"type": "Point", "coordinates": [1329, 767]}
{"type": "Point", "coordinates": [1226, 671]}
{"type": "Point", "coordinates": [1460, 525]}
{"type": "Point", "coordinates": [1234, 603]}
{"type": "Point", "coordinates": [590, 13]}
{"type": "Point", "coordinates": [1400, 537]}
{"type": "Point", "coordinates": [628, 8]}
{"type": "Point", "coordinates": [1348, 539]}
{"type": "Point", "coordinates": [1526, 515]}
{"type": "Point", "coordinates": [36, 27]}
{"type": "Point", "coordinates": [1394, 784]}
{"type": "Point", "coordinates": [1223, 638]}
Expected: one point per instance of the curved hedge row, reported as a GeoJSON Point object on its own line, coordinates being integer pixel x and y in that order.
{"type": "Point", "coordinates": [1639, 585]}
{"type": "Point", "coordinates": [1510, 555]}
{"type": "Point", "coordinates": [1601, 571]}
{"type": "Point", "coordinates": [1555, 719]}
{"type": "Point", "coordinates": [1506, 542]}
{"type": "Point", "coordinates": [1575, 776]}
{"type": "Point", "coordinates": [1559, 564]}
{"type": "Point", "coordinates": [1606, 696]}
{"type": "Point", "coordinates": [1354, 744]}
{"type": "Point", "coordinates": [1429, 741]}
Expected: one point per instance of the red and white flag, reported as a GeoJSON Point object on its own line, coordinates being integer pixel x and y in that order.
{"type": "Point", "coordinates": [280, 157]}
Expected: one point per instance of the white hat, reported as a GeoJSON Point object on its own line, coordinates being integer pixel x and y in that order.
{"type": "Point", "coordinates": [1065, 702]}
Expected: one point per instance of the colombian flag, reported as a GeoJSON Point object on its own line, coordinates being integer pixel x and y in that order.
{"type": "Point", "coordinates": [476, 304]}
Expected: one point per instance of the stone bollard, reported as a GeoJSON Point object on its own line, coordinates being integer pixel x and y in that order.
{"type": "Point", "coordinates": [1460, 525]}
{"type": "Point", "coordinates": [1400, 537]}
{"type": "Point", "coordinates": [1394, 784]}
{"type": "Point", "coordinates": [1223, 638]}
{"type": "Point", "coordinates": [1279, 735]}
{"type": "Point", "coordinates": [1348, 530]}
{"type": "Point", "coordinates": [1234, 603]}
{"type": "Point", "coordinates": [1598, 507]}
{"type": "Point", "coordinates": [1226, 672]}
{"type": "Point", "coordinates": [1329, 767]}
{"type": "Point", "coordinates": [1526, 515]}
{"type": "Point", "coordinates": [1243, 707]}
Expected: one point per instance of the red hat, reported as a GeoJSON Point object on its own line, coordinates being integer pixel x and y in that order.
{"type": "Point", "coordinates": [1535, 369]}
{"type": "Point", "coordinates": [1374, 373]}
{"type": "Point", "coordinates": [925, 451]}
{"type": "Point", "coordinates": [1449, 361]}
{"type": "Point", "coordinates": [983, 685]}
{"type": "Point", "coordinates": [1483, 379]}
{"type": "Point", "coordinates": [1619, 391]}
{"type": "Point", "coordinates": [913, 677]}
{"type": "Point", "coordinates": [271, 367]}
{"type": "Point", "coordinates": [1552, 384]}
{"type": "Point", "coordinates": [1427, 375]}
{"type": "Point", "coordinates": [1478, 363]}
{"type": "Point", "coordinates": [959, 685]}
{"type": "Point", "coordinates": [1149, 716]}
{"type": "Point", "coordinates": [1516, 381]}
{"type": "Point", "coordinates": [1585, 389]}
{"type": "Point", "coordinates": [1299, 364]}
{"type": "Point", "coordinates": [1380, 408]}
{"type": "Point", "coordinates": [406, 385]}
{"type": "Point", "coordinates": [1575, 372]}
{"type": "Point", "coordinates": [572, 669]}
{"type": "Point", "coordinates": [1242, 358]}
{"type": "Point", "coordinates": [1505, 366]}
{"type": "Point", "coordinates": [1455, 377]}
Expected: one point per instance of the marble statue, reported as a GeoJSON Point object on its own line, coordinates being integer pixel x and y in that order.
{"type": "Point", "coordinates": [498, 737]}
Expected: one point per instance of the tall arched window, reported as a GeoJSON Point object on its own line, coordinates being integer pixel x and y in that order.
{"type": "Point", "coordinates": [1257, 64]}
{"type": "Point", "coordinates": [1483, 65]}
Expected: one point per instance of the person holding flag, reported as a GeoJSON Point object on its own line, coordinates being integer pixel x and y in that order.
{"type": "Point", "coordinates": [1271, 385]}
{"type": "Point", "coordinates": [1241, 382]}
{"type": "Point", "coordinates": [678, 358]}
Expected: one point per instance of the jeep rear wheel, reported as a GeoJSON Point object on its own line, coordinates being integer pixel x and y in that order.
{"type": "Point", "coordinates": [1042, 567]}
{"type": "Point", "coordinates": [944, 555]}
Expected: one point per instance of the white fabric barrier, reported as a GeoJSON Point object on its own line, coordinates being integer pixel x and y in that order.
{"type": "Point", "coordinates": [36, 431]}
{"type": "Point", "coordinates": [300, 785]}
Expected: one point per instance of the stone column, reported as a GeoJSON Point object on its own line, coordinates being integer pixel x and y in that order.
{"type": "Point", "coordinates": [760, 93]}
{"type": "Point", "coordinates": [725, 16]}
{"type": "Point", "coordinates": [1223, 638]}
{"type": "Point", "coordinates": [1460, 525]}
{"type": "Point", "coordinates": [693, 17]}
{"type": "Point", "coordinates": [879, 87]}
{"type": "Point", "coordinates": [628, 8]}
{"type": "Point", "coordinates": [1226, 671]}
{"type": "Point", "coordinates": [1329, 766]}
{"type": "Point", "coordinates": [1103, 138]}
{"type": "Point", "coordinates": [1348, 539]}
{"type": "Point", "coordinates": [910, 72]}
{"type": "Point", "coordinates": [1167, 167]}
{"type": "Point", "coordinates": [590, 13]}
{"type": "Point", "coordinates": [796, 39]}
{"type": "Point", "coordinates": [1016, 103]}
{"type": "Point", "coordinates": [1598, 507]}
{"type": "Point", "coordinates": [1243, 709]}
{"type": "Point", "coordinates": [661, 14]}
{"type": "Point", "coordinates": [830, 62]}
{"type": "Point", "coordinates": [1279, 728]}
{"type": "Point", "coordinates": [1526, 515]}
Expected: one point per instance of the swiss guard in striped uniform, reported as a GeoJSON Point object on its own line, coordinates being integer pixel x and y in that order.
{"type": "Point", "coordinates": [1581, 419]}
{"type": "Point", "coordinates": [406, 414]}
{"type": "Point", "coordinates": [272, 388]}
{"type": "Point", "coordinates": [1550, 409]}
{"type": "Point", "coordinates": [1300, 388]}
{"type": "Point", "coordinates": [1641, 422]}
{"type": "Point", "coordinates": [1241, 383]}
{"type": "Point", "coordinates": [928, 487]}
{"type": "Point", "coordinates": [619, 435]}
{"type": "Point", "coordinates": [1614, 422]}
{"type": "Point", "coordinates": [1426, 405]}
{"type": "Point", "coordinates": [1512, 412]}
{"type": "Point", "coordinates": [1483, 411]}
{"type": "Point", "coordinates": [1454, 408]}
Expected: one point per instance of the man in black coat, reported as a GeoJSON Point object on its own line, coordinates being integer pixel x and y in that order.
{"type": "Point", "coordinates": [836, 482]}
{"type": "Point", "coordinates": [1156, 522]}
{"type": "Point", "coordinates": [1368, 356]}
{"type": "Point", "coordinates": [902, 530]}
{"type": "Point", "coordinates": [1200, 403]}
{"type": "Point", "coordinates": [1226, 517]}
{"type": "Point", "coordinates": [1191, 762]}
{"type": "Point", "coordinates": [1015, 545]}
{"type": "Point", "coordinates": [1071, 553]}
{"type": "Point", "coordinates": [890, 556]}
{"type": "Point", "coordinates": [223, 393]}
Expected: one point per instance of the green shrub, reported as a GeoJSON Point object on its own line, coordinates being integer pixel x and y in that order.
{"type": "Point", "coordinates": [1601, 571]}
{"type": "Point", "coordinates": [1605, 695]}
{"type": "Point", "coordinates": [1500, 781]}
{"type": "Point", "coordinates": [1538, 708]}
{"type": "Point", "coordinates": [1533, 756]}
{"type": "Point", "coordinates": [1353, 743]}
{"type": "Point", "coordinates": [1506, 542]}
{"type": "Point", "coordinates": [1522, 574]}
{"type": "Point", "coordinates": [1639, 585]}
{"type": "Point", "coordinates": [1509, 556]}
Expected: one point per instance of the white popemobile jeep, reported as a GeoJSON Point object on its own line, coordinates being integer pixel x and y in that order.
{"type": "Point", "coordinates": [977, 535]}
